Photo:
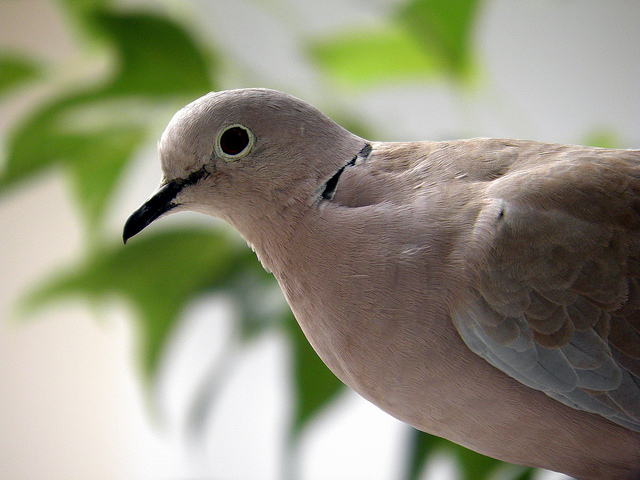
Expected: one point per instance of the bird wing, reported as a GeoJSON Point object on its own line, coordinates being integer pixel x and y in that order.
{"type": "Point", "coordinates": [557, 303]}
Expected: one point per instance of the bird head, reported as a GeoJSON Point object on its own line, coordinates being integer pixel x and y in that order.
{"type": "Point", "coordinates": [246, 156]}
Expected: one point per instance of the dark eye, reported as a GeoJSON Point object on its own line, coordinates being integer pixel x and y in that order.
{"type": "Point", "coordinates": [234, 140]}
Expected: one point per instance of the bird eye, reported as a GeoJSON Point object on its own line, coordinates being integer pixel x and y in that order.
{"type": "Point", "coordinates": [234, 142]}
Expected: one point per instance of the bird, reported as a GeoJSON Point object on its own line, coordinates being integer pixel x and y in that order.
{"type": "Point", "coordinates": [486, 291]}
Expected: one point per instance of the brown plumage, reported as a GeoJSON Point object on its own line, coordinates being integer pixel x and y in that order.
{"type": "Point", "coordinates": [483, 290]}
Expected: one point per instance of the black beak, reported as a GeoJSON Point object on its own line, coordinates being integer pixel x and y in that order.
{"type": "Point", "coordinates": [161, 202]}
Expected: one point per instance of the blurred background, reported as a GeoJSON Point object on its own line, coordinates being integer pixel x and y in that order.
{"type": "Point", "coordinates": [176, 357]}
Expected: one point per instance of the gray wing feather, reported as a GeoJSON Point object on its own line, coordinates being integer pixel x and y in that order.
{"type": "Point", "coordinates": [557, 303]}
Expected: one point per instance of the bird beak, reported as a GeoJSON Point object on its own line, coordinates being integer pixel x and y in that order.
{"type": "Point", "coordinates": [158, 204]}
{"type": "Point", "coordinates": [163, 200]}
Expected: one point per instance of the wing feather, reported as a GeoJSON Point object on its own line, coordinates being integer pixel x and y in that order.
{"type": "Point", "coordinates": [557, 303]}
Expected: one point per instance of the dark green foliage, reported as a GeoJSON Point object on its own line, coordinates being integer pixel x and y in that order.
{"type": "Point", "coordinates": [445, 28]}
{"type": "Point", "coordinates": [16, 71]}
{"type": "Point", "coordinates": [156, 57]}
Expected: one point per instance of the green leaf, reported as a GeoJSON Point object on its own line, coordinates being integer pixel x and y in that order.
{"type": "Point", "coordinates": [158, 273]}
{"type": "Point", "coordinates": [602, 137]}
{"type": "Point", "coordinates": [94, 155]}
{"type": "Point", "coordinates": [421, 446]}
{"type": "Point", "coordinates": [156, 57]}
{"type": "Point", "coordinates": [426, 39]}
{"type": "Point", "coordinates": [93, 134]}
{"type": "Point", "coordinates": [367, 57]}
{"type": "Point", "coordinates": [15, 71]}
{"type": "Point", "coordinates": [315, 385]}
{"type": "Point", "coordinates": [98, 163]}
{"type": "Point", "coordinates": [83, 9]}
{"type": "Point", "coordinates": [443, 28]}
{"type": "Point", "coordinates": [525, 473]}
{"type": "Point", "coordinates": [475, 466]}
{"type": "Point", "coordinates": [472, 465]}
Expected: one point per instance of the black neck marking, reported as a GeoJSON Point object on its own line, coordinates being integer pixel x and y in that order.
{"type": "Point", "coordinates": [331, 184]}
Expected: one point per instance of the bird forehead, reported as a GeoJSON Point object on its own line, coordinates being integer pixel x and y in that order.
{"type": "Point", "coordinates": [184, 146]}
{"type": "Point", "coordinates": [188, 140]}
{"type": "Point", "coordinates": [275, 119]}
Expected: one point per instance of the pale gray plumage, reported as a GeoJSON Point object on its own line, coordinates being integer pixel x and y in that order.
{"type": "Point", "coordinates": [415, 269]}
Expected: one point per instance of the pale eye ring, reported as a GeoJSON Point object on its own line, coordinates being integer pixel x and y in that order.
{"type": "Point", "coordinates": [234, 142]}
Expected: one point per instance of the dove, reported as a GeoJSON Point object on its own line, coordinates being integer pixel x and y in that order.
{"type": "Point", "coordinates": [485, 290]}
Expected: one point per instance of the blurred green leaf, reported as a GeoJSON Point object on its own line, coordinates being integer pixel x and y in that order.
{"type": "Point", "coordinates": [602, 137]}
{"type": "Point", "coordinates": [421, 446]}
{"type": "Point", "coordinates": [362, 58]}
{"type": "Point", "coordinates": [36, 145]}
{"type": "Point", "coordinates": [15, 71]}
{"type": "Point", "coordinates": [156, 57]}
{"type": "Point", "coordinates": [98, 162]}
{"type": "Point", "coordinates": [526, 473]}
{"type": "Point", "coordinates": [95, 156]}
{"type": "Point", "coordinates": [425, 38]}
{"type": "Point", "coordinates": [443, 28]}
{"type": "Point", "coordinates": [474, 466]}
{"type": "Point", "coordinates": [315, 385]}
{"type": "Point", "coordinates": [158, 273]}
{"type": "Point", "coordinates": [83, 9]}
{"type": "Point", "coordinates": [95, 133]}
